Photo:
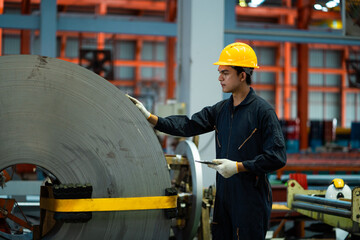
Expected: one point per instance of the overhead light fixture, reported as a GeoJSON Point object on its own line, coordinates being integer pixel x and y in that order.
{"type": "Point", "coordinates": [324, 9]}
{"type": "Point", "coordinates": [331, 4]}
{"type": "Point", "coordinates": [318, 6]}
{"type": "Point", "coordinates": [255, 3]}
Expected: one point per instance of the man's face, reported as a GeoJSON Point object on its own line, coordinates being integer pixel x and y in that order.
{"type": "Point", "coordinates": [229, 79]}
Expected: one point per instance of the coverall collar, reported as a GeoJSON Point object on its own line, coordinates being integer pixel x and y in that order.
{"type": "Point", "coordinates": [248, 99]}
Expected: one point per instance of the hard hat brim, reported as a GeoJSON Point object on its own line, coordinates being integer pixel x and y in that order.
{"type": "Point", "coordinates": [234, 64]}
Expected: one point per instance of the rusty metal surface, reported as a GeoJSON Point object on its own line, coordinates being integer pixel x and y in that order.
{"type": "Point", "coordinates": [81, 128]}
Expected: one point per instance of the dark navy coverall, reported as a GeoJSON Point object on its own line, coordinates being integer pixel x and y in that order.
{"type": "Point", "coordinates": [243, 202]}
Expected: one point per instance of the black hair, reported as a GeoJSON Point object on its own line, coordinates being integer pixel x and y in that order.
{"type": "Point", "coordinates": [248, 72]}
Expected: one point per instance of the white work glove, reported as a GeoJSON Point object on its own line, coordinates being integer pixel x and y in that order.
{"type": "Point", "coordinates": [140, 106]}
{"type": "Point", "coordinates": [225, 167]}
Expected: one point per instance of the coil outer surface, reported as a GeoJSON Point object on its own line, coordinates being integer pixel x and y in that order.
{"type": "Point", "coordinates": [81, 128]}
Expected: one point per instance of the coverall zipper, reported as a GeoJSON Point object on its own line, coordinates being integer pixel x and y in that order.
{"type": "Point", "coordinates": [231, 122]}
{"type": "Point", "coordinates": [217, 136]}
{"type": "Point", "coordinates": [268, 185]}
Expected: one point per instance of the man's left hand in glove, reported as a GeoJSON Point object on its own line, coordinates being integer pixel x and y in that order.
{"type": "Point", "coordinates": [226, 167]}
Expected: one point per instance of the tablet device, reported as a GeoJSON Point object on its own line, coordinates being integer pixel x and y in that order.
{"type": "Point", "coordinates": [205, 162]}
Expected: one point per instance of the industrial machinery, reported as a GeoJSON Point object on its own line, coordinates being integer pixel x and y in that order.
{"type": "Point", "coordinates": [100, 157]}
{"type": "Point", "coordinates": [341, 213]}
{"type": "Point", "coordinates": [186, 177]}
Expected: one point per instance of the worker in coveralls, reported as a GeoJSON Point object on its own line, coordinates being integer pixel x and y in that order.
{"type": "Point", "coordinates": [249, 144]}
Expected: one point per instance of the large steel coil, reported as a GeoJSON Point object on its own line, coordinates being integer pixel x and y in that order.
{"type": "Point", "coordinates": [82, 129]}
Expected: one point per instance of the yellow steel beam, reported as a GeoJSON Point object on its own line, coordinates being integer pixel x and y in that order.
{"type": "Point", "coordinates": [108, 204]}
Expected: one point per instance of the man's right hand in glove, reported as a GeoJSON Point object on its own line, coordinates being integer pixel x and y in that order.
{"type": "Point", "coordinates": [150, 117]}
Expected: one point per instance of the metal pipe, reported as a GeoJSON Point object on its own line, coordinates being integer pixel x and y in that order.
{"type": "Point", "coordinates": [290, 35]}
{"type": "Point", "coordinates": [321, 200]}
{"type": "Point", "coordinates": [326, 179]}
{"type": "Point", "coordinates": [322, 209]}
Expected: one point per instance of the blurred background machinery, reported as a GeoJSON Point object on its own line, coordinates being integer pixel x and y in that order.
{"type": "Point", "coordinates": [160, 52]}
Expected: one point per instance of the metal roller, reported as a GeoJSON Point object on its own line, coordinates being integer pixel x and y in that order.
{"type": "Point", "coordinates": [190, 151]}
{"type": "Point", "coordinates": [324, 201]}
{"type": "Point", "coordinates": [82, 129]}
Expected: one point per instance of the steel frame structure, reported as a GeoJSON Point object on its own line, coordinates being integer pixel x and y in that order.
{"type": "Point", "coordinates": [303, 38]}
{"type": "Point", "coordinates": [102, 25]}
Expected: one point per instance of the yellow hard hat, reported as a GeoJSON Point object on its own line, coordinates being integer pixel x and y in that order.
{"type": "Point", "coordinates": [238, 54]}
{"type": "Point", "coordinates": [338, 189]}
{"type": "Point", "coordinates": [338, 182]}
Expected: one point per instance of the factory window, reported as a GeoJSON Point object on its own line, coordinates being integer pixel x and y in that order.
{"type": "Point", "coordinates": [319, 79]}
{"type": "Point", "coordinates": [153, 51]}
{"type": "Point", "coordinates": [148, 73]}
{"type": "Point", "coordinates": [331, 103]}
{"type": "Point", "coordinates": [316, 105]}
{"type": "Point", "coordinates": [293, 79]}
{"type": "Point", "coordinates": [124, 73]}
{"type": "Point", "coordinates": [316, 79]}
{"type": "Point", "coordinates": [269, 96]}
{"type": "Point", "coordinates": [354, 54]}
{"type": "Point", "coordinates": [316, 57]}
{"type": "Point", "coordinates": [265, 55]}
{"type": "Point", "coordinates": [324, 105]}
{"type": "Point", "coordinates": [263, 77]}
{"type": "Point", "coordinates": [293, 101]}
{"type": "Point", "coordinates": [322, 58]}
{"type": "Point", "coordinates": [36, 45]}
{"type": "Point", "coordinates": [11, 44]}
{"type": "Point", "coordinates": [89, 43]}
{"type": "Point", "coordinates": [332, 80]}
{"type": "Point", "coordinates": [352, 108]}
{"type": "Point", "coordinates": [125, 50]}
{"type": "Point", "coordinates": [72, 48]}
{"type": "Point", "coordinates": [333, 59]}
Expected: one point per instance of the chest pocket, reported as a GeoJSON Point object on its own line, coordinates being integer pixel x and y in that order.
{"type": "Point", "coordinates": [247, 139]}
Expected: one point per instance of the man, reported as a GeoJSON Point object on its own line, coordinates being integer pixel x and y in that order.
{"type": "Point", "coordinates": [249, 144]}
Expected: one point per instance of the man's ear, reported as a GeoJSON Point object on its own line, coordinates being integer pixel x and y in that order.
{"type": "Point", "coordinates": [242, 76]}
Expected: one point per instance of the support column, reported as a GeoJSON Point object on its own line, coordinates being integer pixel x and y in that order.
{"type": "Point", "coordinates": [137, 87]}
{"type": "Point", "coordinates": [170, 52]}
{"type": "Point", "coordinates": [1, 37]}
{"type": "Point", "coordinates": [287, 80]}
{"type": "Point", "coordinates": [303, 93]}
{"type": "Point", "coordinates": [63, 46]}
{"type": "Point", "coordinates": [343, 88]}
{"type": "Point", "coordinates": [25, 34]}
{"type": "Point", "coordinates": [277, 87]}
{"type": "Point", "coordinates": [289, 20]}
{"type": "Point", "coordinates": [48, 27]}
{"type": "Point", "coordinates": [200, 41]}
{"type": "Point", "coordinates": [304, 16]}
{"type": "Point", "coordinates": [101, 10]}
